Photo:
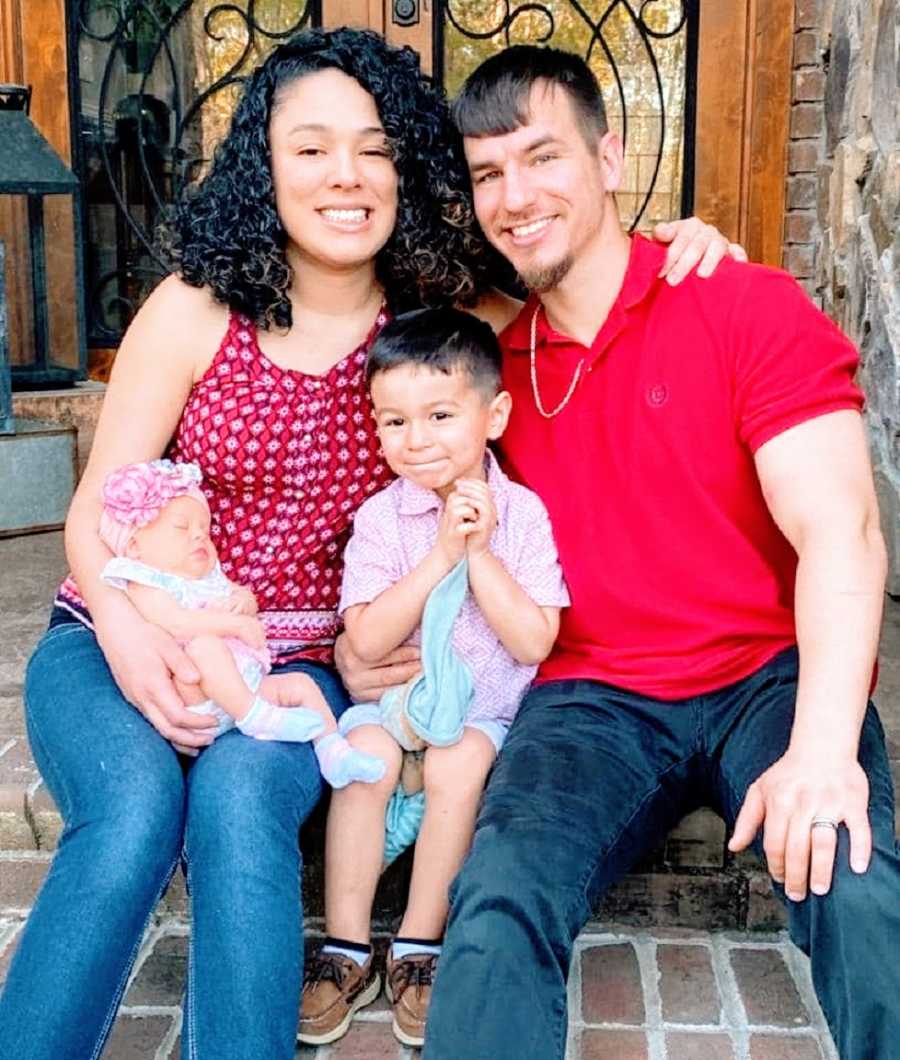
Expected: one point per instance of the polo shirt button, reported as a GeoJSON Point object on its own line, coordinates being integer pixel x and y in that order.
{"type": "Point", "coordinates": [657, 395]}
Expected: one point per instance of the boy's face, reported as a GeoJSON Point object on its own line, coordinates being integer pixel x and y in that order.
{"type": "Point", "coordinates": [177, 541]}
{"type": "Point", "coordinates": [433, 427]}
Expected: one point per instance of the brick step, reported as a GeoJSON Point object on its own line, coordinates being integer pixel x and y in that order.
{"type": "Point", "coordinates": [632, 995]}
{"type": "Point", "coordinates": [689, 882]}
{"type": "Point", "coordinates": [727, 899]}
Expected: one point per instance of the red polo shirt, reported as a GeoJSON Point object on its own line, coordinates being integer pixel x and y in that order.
{"type": "Point", "coordinates": [680, 580]}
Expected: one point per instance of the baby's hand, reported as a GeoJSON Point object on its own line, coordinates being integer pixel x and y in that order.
{"type": "Point", "coordinates": [250, 630]}
{"type": "Point", "coordinates": [242, 601]}
{"type": "Point", "coordinates": [478, 494]}
{"type": "Point", "coordinates": [239, 601]}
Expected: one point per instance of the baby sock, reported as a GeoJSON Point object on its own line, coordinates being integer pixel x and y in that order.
{"type": "Point", "coordinates": [356, 951]}
{"type": "Point", "coordinates": [341, 763]}
{"type": "Point", "coordinates": [265, 721]}
{"type": "Point", "coordinates": [401, 947]}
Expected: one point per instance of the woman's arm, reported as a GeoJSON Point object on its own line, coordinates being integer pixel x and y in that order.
{"type": "Point", "coordinates": [167, 347]}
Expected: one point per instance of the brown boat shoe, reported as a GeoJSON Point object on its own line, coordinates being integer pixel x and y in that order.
{"type": "Point", "coordinates": [334, 988]}
{"type": "Point", "coordinates": [408, 987]}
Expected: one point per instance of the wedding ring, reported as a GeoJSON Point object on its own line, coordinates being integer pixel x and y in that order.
{"type": "Point", "coordinates": [824, 822]}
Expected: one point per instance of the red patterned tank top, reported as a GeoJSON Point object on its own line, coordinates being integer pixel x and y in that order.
{"type": "Point", "coordinates": [287, 458]}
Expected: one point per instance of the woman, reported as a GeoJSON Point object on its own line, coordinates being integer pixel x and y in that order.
{"type": "Point", "coordinates": [338, 196]}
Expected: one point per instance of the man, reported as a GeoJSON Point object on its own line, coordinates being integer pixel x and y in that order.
{"type": "Point", "coordinates": [702, 456]}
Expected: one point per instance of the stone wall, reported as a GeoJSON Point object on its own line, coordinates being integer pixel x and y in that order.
{"type": "Point", "coordinates": [842, 228]}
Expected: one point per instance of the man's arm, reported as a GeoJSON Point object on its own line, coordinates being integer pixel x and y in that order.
{"type": "Point", "coordinates": [817, 482]}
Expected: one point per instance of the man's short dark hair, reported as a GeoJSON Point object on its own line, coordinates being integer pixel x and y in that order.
{"type": "Point", "coordinates": [442, 340]}
{"type": "Point", "coordinates": [494, 99]}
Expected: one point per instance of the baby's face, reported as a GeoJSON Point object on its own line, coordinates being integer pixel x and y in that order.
{"type": "Point", "coordinates": [177, 541]}
{"type": "Point", "coordinates": [433, 427]}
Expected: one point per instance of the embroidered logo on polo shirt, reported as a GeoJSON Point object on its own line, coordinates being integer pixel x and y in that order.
{"type": "Point", "coordinates": [657, 395]}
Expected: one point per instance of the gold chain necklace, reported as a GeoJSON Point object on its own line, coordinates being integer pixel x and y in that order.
{"type": "Point", "coordinates": [534, 385]}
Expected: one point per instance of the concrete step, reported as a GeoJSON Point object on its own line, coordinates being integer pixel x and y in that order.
{"type": "Point", "coordinates": [77, 406]}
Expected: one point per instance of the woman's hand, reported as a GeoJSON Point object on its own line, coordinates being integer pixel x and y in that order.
{"type": "Point", "coordinates": [691, 241]}
{"type": "Point", "coordinates": [364, 681]}
{"type": "Point", "coordinates": [143, 659]}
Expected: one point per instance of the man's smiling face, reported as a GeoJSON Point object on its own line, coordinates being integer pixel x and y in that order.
{"type": "Point", "coordinates": [540, 191]}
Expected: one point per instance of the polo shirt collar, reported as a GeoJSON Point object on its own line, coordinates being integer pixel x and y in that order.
{"type": "Point", "coordinates": [644, 262]}
{"type": "Point", "coordinates": [416, 500]}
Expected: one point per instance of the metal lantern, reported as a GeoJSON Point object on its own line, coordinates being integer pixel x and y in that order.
{"type": "Point", "coordinates": [30, 168]}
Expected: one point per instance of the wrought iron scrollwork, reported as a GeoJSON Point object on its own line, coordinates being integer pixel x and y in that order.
{"type": "Point", "coordinates": [649, 22]}
{"type": "Point", "coordinates": [142, 130]}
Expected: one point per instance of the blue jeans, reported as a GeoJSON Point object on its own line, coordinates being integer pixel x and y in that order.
{"type": "Point", "coordinates": [591, 778]}
{"type": "Point", "coordinates": [132, 808]}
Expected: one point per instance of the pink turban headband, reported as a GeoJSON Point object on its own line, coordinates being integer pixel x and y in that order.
{"type": "Point", "coordinates": [134, 495]}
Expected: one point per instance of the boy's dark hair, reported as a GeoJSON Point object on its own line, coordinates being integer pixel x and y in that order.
{"type": "Point", "coordinates": [440, 339]}
{"type": "Point", "coordinates": [494, 99]}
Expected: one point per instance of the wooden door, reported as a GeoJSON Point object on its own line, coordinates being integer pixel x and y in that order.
{"type": "Point", "coordinates": [33, 52]}
{"type": "Point", "coordinates": [153, 96]}
{"type": "Point", "coordinates": [736, 109]}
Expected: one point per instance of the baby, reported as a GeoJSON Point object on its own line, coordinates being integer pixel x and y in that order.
{"type": "Point", "coordinates": [156, 522]}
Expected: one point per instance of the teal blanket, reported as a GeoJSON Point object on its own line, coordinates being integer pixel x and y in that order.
{"type": "Point", "coordinates": [434, 704]}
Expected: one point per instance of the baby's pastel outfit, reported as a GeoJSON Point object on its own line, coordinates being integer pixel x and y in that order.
{"type": "Point", "coordinates": [133, 497]}
{"type": "Point", "coordinates": [193, 594]}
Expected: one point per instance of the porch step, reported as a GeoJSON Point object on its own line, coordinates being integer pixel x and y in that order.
{"type": "Point", "coordinates": [689, 882]}
{"type": "Point", "coordinates": [631, 995]}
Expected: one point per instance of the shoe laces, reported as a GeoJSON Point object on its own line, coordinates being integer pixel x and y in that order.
{"type": "Point", "coordinates": [414, 971]}
{"type": "Point", "coordinates": [325, 967]}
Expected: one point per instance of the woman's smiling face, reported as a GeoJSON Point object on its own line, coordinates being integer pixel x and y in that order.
{"type": "Point", "coordinates": [335, 181]}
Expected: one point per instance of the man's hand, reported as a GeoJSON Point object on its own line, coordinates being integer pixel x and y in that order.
{"type": "Point", "coordinates": [143, 659]}
{"type": "Point", "coordinates": [478, 531]}
{"type": "Point", "coordinates": [691, 241]}
{"type": "Point", "coordinates": [366, 682]}
{"type": "Point", "coordinates": [785, 800]}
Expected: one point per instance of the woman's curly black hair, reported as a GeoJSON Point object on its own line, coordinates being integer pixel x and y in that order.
{"type": "Point", "coordinates": [226, 234]}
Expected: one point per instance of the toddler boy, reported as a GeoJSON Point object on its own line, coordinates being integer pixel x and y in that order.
{"type": "Point", "coordinates": [434, 377]}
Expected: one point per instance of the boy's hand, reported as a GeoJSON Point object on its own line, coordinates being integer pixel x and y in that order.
{"type": "Point", "coordinates": [250, 630]}
{"type": "Point", "coordinates": [457, 519]}
{"type": "Point", "coordinates": [481, 529]}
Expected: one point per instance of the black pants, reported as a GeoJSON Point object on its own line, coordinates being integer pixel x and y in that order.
{"type": "Point", "coordinates": [589, 780]}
